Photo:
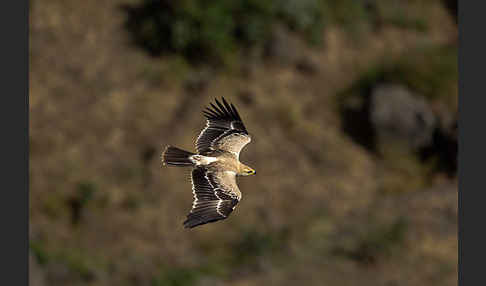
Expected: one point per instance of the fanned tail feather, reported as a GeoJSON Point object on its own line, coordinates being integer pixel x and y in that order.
{"type": "Point", "coordinates": [176, 157]}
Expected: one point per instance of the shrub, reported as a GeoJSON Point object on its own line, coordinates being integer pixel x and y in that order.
{"type": "Point", "coordinates": [216, 30]}
{"type": "Point", "coordinates": [201, 30]}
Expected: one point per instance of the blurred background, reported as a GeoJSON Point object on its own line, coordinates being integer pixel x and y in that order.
{"type": "Point", "coordinates": [352, 105]}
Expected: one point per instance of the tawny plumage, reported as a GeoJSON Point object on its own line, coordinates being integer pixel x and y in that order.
{"type": "Point", "coordinates": [215, 165]}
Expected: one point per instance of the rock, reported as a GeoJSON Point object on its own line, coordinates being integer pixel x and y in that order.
{"type": "Point", "coordinates": [400, 116]}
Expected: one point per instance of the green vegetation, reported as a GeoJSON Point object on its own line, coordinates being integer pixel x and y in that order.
{"type": "Point", "coordinates": [398, 14]}
{"type": "Point", "coordinates": [85, 191]}
{"type": "Point", "coordinates": [54, 205]}
{"type": "Point", "coordinates": [84, 194]}
{"type": "Point", "coordinates": [244, 253]}
{"type": "Point", "coordinates": [186, 276]}
{"type": "Point", "coordinates": [402, 171]}
{"type": "Point", "coordinates": [377, 241]}
{"type": "Point", "coordinates": [253, 245]}
{"type": "Point", "coordinates": [78, 263]}
{"type": "Point", "coordinates": [430, 71]}
{"type": "Point", "coordinates": [75, 259]}
{"type": "Point", "coordinates": [39, 252]}
{"type": "Point", "coordinates": [216, 31]}
{"type": "Point", "coordinates": [177, 277]}
{"type": "Point", "coordinates": [322, 211]}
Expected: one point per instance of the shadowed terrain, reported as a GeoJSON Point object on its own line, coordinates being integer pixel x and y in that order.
{"type": "Point", "coordinates": [341, 195]}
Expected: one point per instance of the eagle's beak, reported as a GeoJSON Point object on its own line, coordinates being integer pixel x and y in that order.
{"type": "Point", "coordinates": [253, 172]}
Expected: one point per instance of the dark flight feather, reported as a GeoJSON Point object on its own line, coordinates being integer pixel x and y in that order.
{"type": "Point", "coordinates": [222, 120]}
{"type": "Point", "coordinates": [211, 201]}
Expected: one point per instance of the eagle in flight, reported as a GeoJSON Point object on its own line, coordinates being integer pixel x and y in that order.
{"type": "Point", "coordinates": [216, 164]}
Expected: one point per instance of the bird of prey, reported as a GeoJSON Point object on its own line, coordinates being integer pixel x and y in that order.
{"type": "Point", "coordinates": [216, 164]}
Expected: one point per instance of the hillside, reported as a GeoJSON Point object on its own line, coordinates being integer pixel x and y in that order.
{"type": "Point", "coordinates": [339, 198]}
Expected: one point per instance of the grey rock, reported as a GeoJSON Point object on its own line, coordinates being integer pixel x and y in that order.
{"type": "Point", "coordinates": [401, 116]}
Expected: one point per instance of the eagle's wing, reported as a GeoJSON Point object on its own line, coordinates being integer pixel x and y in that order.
{"type": "Point", "coordinates": [224, 130]}
{"type": "Point", "coordinates": [215, 196]}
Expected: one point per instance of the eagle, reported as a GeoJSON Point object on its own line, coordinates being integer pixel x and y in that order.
{"type": "Point", "coordinates": [215, 165]}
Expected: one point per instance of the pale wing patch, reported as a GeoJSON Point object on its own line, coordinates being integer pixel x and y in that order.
{"type": "Point", "coordinates": [233, 143]}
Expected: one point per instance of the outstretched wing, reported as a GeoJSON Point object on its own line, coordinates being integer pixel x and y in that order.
{"type": "Point", "coordinates": [215, 196]}
{"type": "Point", "coordinates": [224, 130]}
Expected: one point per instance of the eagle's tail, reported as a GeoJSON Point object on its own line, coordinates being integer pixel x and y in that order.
{"type": "Point", "coordinates": [176, 157]}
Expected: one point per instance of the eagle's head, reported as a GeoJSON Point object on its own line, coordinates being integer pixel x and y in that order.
{"type": "Point", "coordinates": [246, 171]}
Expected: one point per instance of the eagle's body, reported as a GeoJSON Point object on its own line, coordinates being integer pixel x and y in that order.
{"type": "Point", "coordinates": [216, 164]}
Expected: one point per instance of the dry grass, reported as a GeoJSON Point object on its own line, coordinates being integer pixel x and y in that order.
{"type": "Point", "coordinates": [101, 111]}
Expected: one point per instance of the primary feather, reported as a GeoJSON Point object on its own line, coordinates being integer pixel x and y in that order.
{"type": "Point", "coordinates": [224, 130]}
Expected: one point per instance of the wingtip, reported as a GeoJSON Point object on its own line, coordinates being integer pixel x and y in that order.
{"type": "Point", "coordinates": [229, 110]}
{"type": "Point", "coordinates": [237, 115]}
{"type": "Point", "coordinates": [206, 114]}
{"type": "Point", "coordinates": [224, 100]}
{"type": "Point", "coordinates": [221, 109]}
{"type": "Point", "coordinates": [188, 225]}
